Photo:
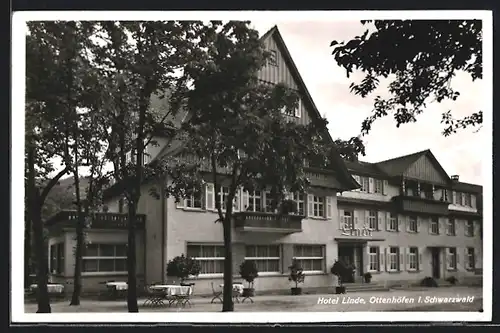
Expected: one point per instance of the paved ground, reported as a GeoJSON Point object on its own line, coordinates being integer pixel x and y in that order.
{"type": "Point", "coordinates": [360, 301]}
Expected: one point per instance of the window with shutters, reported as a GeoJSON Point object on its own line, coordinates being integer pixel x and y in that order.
{"type": "Point", "coordinates": [452, 258]}
{"type": "Point", "coordinates": [470, 258]}
{"type": "Point", "coordinates": [469, 228]}
{"type": "Point", "coordinates": [110, 258]}
{"type": "Point", "coordinates": [318, 206]}
{"type": "Point", "coordinates": [450, 229]}
{"type": "Point", "coordinates": [348, 220]}
{"type": "Point", "coordinates": [393, 222]}
{"type": "Point", "coordinates": [434, 225]}
{"type": "Point", "coordinates": [393, 260]}
{"type": "Point", "coordinates": [374, 259]}
{"type": "Point", "coordinates": [209, 257]}
{"type": "Point", "coordinates": [365, 184]}
{"type": "Point", "coordinates": [299, 199]}
{"type": "Point", "coordinates": [310, 257]}
{"type": "Point", "coordinates": [457, 198]}
{"type": "Point", "coordinates": [267, 258]}
{"type": "Point", "coordinates": [413, 224]}
{"type": "Point", "coordinates": [379, 186]}
{"type": "Point", "coordinates": [413, 258]}
{"type": "Point", "coordinates": [372, 220]}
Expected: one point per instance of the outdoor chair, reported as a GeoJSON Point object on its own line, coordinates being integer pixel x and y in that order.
{"type": "Point", "coordinates": [155, 297]}
{"type": "Point", "coordinates": [184, 299]}
{"type": "Point", "coordinates": [216, 294]}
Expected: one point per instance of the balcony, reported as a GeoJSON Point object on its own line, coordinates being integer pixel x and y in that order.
{"type": "Point", "coordinates": [415, 204]}
{"type": "Point", "coordinates": [68, 219]}
{"type": "Point", "coordinates": [267, 222]}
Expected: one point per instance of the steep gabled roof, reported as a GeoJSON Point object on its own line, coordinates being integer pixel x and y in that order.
{"type": "Point", "coordinates": [364, 168]}
{"type": "Point", "coordinates": [341, 168]}
{"type": "Point", "coordinates": [397, 166]}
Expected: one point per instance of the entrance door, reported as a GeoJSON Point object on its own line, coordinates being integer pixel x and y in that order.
{"type": "Point", "coordinates": [347, 256]}
{"type": "Point", "coordinates": [435, 263]}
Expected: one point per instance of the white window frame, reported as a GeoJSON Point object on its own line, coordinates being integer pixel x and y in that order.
{"type": "Point", "coordinates": [318, 206]}
{"type": "Point", "coordinates": [393, 259]}
{"type": "Point", "coordinates": [99, 258]}
{"type": "Point", "coordinates": [301, 258]}
{"type": "Point", "coordinates": [471, 258]}
{"type": "Point", "coordinates": [393, 221]}
{"type": "Point", "coordinates": [451, 258]}
{"type": "Point", "coordinates": [374, 259]}
{"type": "Point", "coordinates": [190, 201]}
{"type": "Point", "coordinates": [469, 232]}
{"type": "Point", "coordinates": [434, 225]}
{"type": "Point", "coordinates": [252, 199]}
{"type": "Point", "coordinates": [266, 259]}
{"type": "Point", "coordinates": [413, 221]}
{"type": "Point", "coordinates": [365, 184]}
{"type": "Point", "coordinates": [348, 220]}
{"type": "Point", "coordinates": [413, 258]}
{"type": "Point", "coordinates": [300, 201]}
{"type": "Point", "coordinates": [379, 186]}
{"type": "Point", "coordinates": [451, 222]}
{"type": "Point", "coordinates": [205, 259]}
{"type": "Point", "coordinates": [372, 220]}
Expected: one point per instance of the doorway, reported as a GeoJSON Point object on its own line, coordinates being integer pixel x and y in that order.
{"type": "Point", "coordinates": [351, 255]}
{"type": "Point", "coordinates": [435, 262]}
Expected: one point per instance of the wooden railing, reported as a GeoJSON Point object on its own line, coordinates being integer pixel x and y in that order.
{"type": "Point", "coordinates": [420, 205]}
{"type": "Point", "coordinates": [270, 221]}
{"type": "Point", "coordinates": [96, 220]}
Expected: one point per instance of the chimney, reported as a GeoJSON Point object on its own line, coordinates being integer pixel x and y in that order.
{"type": "Point", "coordinates": [454, 178]}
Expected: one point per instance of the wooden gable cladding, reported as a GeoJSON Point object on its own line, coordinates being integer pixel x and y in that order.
{"type": "Point", "coordinates": [424, 169]}
{"type": "Point", "coordinates": [278, 71]}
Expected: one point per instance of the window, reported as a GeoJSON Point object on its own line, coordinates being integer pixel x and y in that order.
{"type": "Point", "coordinates": [266, 257]}
{"type": "Point", "coordinates": [372, 220]}
{"type": "Point", "coordinates": [413, 224]}
{"type": "Point", "coordinates": [193, 200]}
{"type": "Point", "coordinates": [57, 258]}
{"type": "Point", "coordinates": [470, 263]}
{"type": "Point", "coordinates": [434, 225]}
{"type": "Point", "coordinates": [255, 202]}
{"type": "Point", "coordinates": [273, 58]}
{"type": "Point", "coordinates": [209, 257]}
{"type": "Point", "coordinates": [105, 258]}
{"type": "Point", "coordinates": [364, 181]}
{"type": "Point", "coordinates": [378, 186]}
{"type": "Point", "coordinates": [467, 200]}
{"type": "Point", "coordinates": [318, 206]}
{"type": "Point", "coordinates": [393, 262]}
{"type": "Point", "coordinates": [451, 259]}
{"type": "Point", "coordinates": [299, 199]}
{"type": "Point", "coordinates": [223, 192]}
{"type": "Point", "coordinates": [310, 257]}
{"type": "Point", "coordinates": [374, 258]}
{"type": "Point", "coordinates": [268, 202]}
{"type": "Point", "coordinates": [450, 230]}
{"type": "Point", "coordinates": [413, 258]}
{"type": "Point", "coordinates": [393, 222]}
{"type": "Point", "coordinates": [457, 198]}
{"type": "Point", "coordinates": [348, 223]}
{"type": "Point", "coordinates": [469, 228]}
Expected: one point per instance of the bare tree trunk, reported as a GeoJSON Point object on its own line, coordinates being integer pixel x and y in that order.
{"type": "Point", "coordinates": [35, 211]}
{"type": "Point", "coordinates": [131, 259]}
{"type": "Point", "coordinates": [227, 304]}
{"type": "Point", "coordinates": [27, 249]}
{"type": "Point", "coordinates": [77, 278]}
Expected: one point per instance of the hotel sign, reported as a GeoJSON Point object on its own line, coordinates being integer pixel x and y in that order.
{"type": "Point", "coordinates": [357, 232]}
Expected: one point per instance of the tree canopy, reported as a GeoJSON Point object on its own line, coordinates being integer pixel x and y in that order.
{"type": "Point", "coordinates": [420, 59]}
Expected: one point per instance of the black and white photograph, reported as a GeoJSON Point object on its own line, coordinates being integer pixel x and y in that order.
{"type": "Point", "coordinates": [252, 166]}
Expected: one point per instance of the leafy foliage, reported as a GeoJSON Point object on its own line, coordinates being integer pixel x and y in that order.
{"type": "Point", "coordinates": [296, 273]}
{"type": "Point", "coordinates": [420, 58]}
{"type": "Point", "coordinates": [350, 149]}
{"type": "Point", "coordinates": [249, 271]}
{"type": "Point", "coordinates": [183, 267]}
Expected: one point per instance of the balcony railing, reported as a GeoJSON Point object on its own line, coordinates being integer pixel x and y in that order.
{"type": "Point", "coordinates": [268, 222]}
{"type": "Point", "coordinates": [96, 220]}
{"type": "Point", "coordinates": [420, 205]}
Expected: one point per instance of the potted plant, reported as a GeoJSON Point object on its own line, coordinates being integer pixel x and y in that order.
{"type": "Point", "coordinates": [339, 270]}
{"type": "Point", "coordinates": [182, 267]}
{"type": "Point", "coordinates": [368, 277]}
{"type": "Point", "coordinates": [288, 207]}
{"type": "Point", "coordinates": [248, 272]}
{"type": "Point", "coordinates": [452, 280]}
{"type": "Point", "coordinates": [297, 276]}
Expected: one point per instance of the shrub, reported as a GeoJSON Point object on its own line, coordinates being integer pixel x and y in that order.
{"type": "Point", "coordinates": [428, 282]}
{"type": "Point", "coordinates": [182, 267]}
{"type": "Point", "coordinates": [339, 269]}
{"type": "Point", "coordinates": [296, 273]}
{"type": "Point", "coordinates": [452, 280]}
{"type": "Point", "coordinates": [248, 271]}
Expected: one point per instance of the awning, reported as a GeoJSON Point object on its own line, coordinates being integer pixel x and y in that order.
{"type": "Point", "coordinates": [357, 239]}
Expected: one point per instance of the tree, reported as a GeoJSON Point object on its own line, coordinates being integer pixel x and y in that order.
{"type": "Point", "coordinates": [138, 61]}
{"type": "Point", "coordinates": [350, 149]}
{"type": "Point", "coordinates": [238, 132]}
{"type": "Point", "coordinates": [420, 58]}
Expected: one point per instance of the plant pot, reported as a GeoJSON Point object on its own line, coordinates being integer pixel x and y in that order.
{"type": "Point", "coordinates": [340, 290]}
{"type": "Point", "coordinates": [248, 292]}
{"type": "Point", "coordinates": [368, 279]}
{"type": "Point", "coordinates": [296, 291]}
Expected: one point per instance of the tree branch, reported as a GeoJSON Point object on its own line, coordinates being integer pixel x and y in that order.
{"type": "Point", "coordinates": [52, 183]}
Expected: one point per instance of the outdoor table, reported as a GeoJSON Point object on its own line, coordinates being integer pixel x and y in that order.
{"type": "Point", "coordinates": [116, 288]}
{"type": "Point", "coordinates": [167, 292]}
{"type": "Point", "coordinates": [237, 290]}
{"type": "Point", "coordinates": [52, 288]}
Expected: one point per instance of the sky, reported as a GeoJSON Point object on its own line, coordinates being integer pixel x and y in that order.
{"type": "Point", "coordinates": [309, 46]}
